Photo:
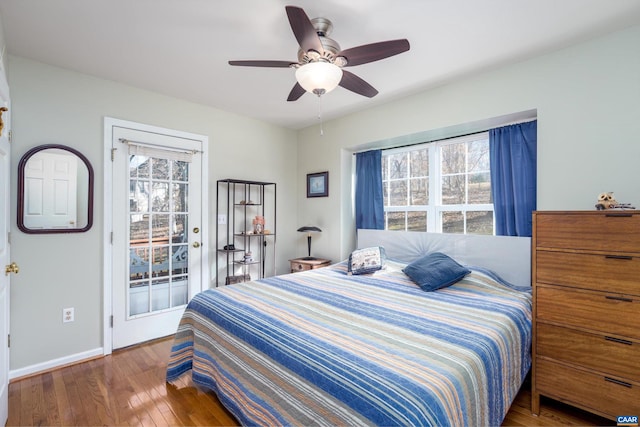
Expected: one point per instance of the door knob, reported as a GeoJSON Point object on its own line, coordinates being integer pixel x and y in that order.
{"type": "Point", "coordinates": [11, 268]}
{"type": "Point", "coordinates": [196, 245]}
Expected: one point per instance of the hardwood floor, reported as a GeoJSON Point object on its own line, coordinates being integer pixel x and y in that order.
{"type": "Point", "coordinates": [125, 388]}
{"type": "Point", "coordinates": [129, 388]}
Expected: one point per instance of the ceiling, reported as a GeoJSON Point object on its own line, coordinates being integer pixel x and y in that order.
{"type": "Point", "coordinates": [180, 48]}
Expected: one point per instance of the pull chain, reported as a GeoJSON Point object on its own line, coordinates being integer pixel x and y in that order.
{"type": "Point", "coordinates": [320, 115]}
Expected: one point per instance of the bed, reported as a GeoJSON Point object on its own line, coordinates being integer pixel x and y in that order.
{"type": "Point", "coordinates": [323, 347]}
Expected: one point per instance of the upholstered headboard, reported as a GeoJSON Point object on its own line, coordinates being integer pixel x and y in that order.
{"type": "Point", "coordinates": [509, 257]}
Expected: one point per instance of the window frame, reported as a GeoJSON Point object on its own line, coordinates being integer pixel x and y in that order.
{"type": "Point", "coordinates": [434, 209]}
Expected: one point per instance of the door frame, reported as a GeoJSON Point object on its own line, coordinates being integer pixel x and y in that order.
{"type": "Point", "coordinates": [109, 124]}
{"type": "Point", "coordinates": [7, 206]}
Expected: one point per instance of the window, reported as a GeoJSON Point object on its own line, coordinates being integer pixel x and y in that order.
{"type": "Point", "coordinates": [442, 186]}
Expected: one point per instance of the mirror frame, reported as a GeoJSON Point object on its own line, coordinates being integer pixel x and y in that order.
{"type": "Point", "coordinates": [23, 161]}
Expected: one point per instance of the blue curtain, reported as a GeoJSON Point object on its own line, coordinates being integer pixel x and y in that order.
{"type": "Point", "coordinates": [369, 198]}
{"type": "Point", "coordinates": [513, 177]}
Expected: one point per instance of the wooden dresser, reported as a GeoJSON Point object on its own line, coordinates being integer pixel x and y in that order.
{"type": "Point", "coordinates": [586, 312]}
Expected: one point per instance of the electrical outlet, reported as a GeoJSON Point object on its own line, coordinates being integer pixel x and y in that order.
{"type": "Point", "coordinates": [222, 219]}
{"type": "Point", "coordinates": [68, 315]}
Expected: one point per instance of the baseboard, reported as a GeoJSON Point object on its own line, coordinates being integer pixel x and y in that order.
{"type": "Point", "coordinates": [39, 368]}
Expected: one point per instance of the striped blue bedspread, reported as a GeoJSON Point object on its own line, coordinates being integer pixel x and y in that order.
{"type": "Point", "coordinates": [324, 348]}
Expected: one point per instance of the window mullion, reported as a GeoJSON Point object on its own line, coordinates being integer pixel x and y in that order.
{"type": "Point", "coordinates": [466, 176]}
{"type": "Point", "coordinates": [408, 181]}
{"type": "Point", "coordinates": [408, 178]}
{"type": "Point", "coordinates": [466, 187]}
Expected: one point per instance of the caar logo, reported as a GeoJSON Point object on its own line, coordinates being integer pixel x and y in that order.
{"type": "Point", "coordinates": [627, 420]}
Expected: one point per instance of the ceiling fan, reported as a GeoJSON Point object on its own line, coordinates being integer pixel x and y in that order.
{"type": "Point", "coordinates": [320, 64]}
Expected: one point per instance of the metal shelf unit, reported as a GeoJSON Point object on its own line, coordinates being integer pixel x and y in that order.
{"type": "Point", "coordinates": [239, 203]}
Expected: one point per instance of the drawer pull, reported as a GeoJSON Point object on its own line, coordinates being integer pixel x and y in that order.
{"type": "Point", "coordinates": [626, 257]}
{"type": "Point", "coordinates": [622, 383]}
{"type": "Point", "coordinates": [618, 340]}
{"type": "Point", "coordinates": [619, 298]}
{"type": "Point", "coordinates": [620, 215]}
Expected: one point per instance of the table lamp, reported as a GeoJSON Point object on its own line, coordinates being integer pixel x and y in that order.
{"type": "Point", "coordinates": [309, 230]}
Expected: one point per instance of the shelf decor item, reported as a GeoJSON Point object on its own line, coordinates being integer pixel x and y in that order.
{"type": "Point", "coordinates": [318, 184]}
{"type": "Point", "coordinates": [258, 224]}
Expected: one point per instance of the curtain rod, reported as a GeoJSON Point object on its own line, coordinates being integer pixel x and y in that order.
{"type": "Point", "coordinates": [151, 144]}
{"type": "Point", "coordinates": [444, 139]}
{"type": "Point", "coordinates": [421, 142]}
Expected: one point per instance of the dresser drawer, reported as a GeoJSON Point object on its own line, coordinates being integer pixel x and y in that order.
{"type": "Point", "coordinates": [617, 231]}
{"type": "Point", "coordinates": [599, 311]}
{"type": "Point", "coordinates": [612, 273]}
{"type": "Point", "coordinates": [600, 352]}
{"type": "Point", "coordinates": [296, 266]}
{"type": "Point", "coordinates": [594, 392]}
{"type": "Point", "coordinates": [303, 264]}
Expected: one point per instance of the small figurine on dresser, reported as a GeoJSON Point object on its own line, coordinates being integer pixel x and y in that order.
{"type": "Point", "coordinates": [608, 201]}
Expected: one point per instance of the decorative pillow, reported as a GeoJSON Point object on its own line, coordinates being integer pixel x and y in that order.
{"type": "Point", "coordinates": [366, 260]}
{"type": "Point", "coordinates": [434, 271]}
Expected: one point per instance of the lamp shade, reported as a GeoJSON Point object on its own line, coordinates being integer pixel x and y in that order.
{"type": "Point", "coordinates": [319, 77]}
{"type": "Point", "coordinates": [309, 228]}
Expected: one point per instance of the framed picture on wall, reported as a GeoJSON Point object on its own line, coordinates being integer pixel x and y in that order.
{"type": "Point", "coordinates": [318, 184]}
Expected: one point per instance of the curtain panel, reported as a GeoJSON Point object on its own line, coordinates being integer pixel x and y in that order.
{"type": "Point", "coordinates": [369, 198]}
{"type": "Point", "coordinates": [513, 157]}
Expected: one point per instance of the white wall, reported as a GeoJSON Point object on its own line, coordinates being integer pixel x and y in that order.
{"type": "Point", "coordinates": [52, 105]}
{"type": "Point", "coordinates": [587, 99]}
{"type": "Point", "coordinates": [3, 50]}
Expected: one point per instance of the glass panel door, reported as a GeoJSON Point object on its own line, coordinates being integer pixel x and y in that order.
{"type": "Point", "coordinates": [159, 241]}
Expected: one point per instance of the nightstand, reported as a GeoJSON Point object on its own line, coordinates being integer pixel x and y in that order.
{"type": "Point", "coordinates": [304, 264]}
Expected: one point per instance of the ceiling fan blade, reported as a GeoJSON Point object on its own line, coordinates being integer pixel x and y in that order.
{"type": "Point", "coordinates": [374, 51]}
{"type": "Point", "coordinates": [303, 30]}
{"type": "Point", "coordinates": [355, 84]}
{"type": "Point", "coordinates": [296, 92]}
{"type": "Point", "coordinates": [258, 63]}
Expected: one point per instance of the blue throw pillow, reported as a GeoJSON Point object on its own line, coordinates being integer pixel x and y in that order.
{"type": "Point", "coordinates": [366, 260]}
{"type": "Point", "coordinates": [434, 271]}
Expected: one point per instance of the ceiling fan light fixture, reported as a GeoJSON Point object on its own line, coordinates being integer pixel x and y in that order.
{"type": "Point", "coordinates": [320, 59]}
{"type": "Point", "coordinates": [319, 77]}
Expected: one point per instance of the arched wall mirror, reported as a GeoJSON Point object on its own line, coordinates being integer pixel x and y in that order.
{"type": "Point", "coordinates": [55, 191]}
